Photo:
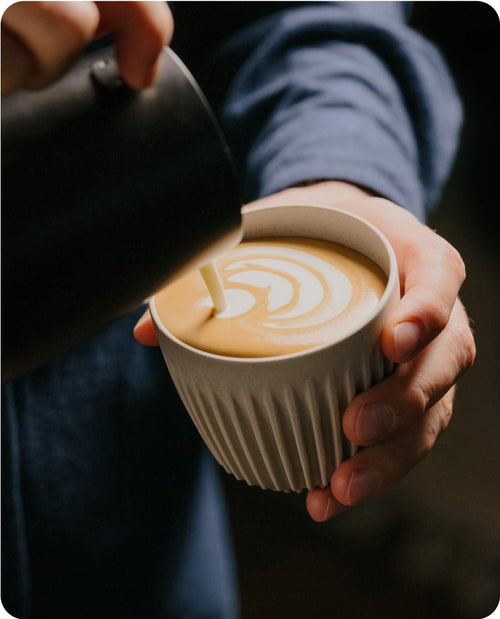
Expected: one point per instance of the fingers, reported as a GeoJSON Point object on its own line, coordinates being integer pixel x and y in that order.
{"type": "Point", "coordinates": [390, 406]}
{"type": "Point", "coordinates": [398, 420]}
{"type": "Point", "coordinates": [140, 30]}
{"type": "Point", "coordinates": [377, 468]}
{"type": "Point", "coordinates": [428, 334]}
{"type": "Point", "coordinates": [431, 270]}
{"type": "Point", "coordinates": [41, 39]}
{"type": "Point", "coordinates": [432, 273]}
{"type": "Point", "coordinates": [144, 331]}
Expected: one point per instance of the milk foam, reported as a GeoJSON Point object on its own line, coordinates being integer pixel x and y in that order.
{"type": "Point", "coordinates": [237, 302]}
{"type": "Point", "coordinates": [282, 295]}
{"type": "Point", "coordinates": [293, 270]}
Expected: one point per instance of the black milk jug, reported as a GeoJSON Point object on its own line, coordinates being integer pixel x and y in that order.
{"type": "Point", "coordinates": [107, 194]}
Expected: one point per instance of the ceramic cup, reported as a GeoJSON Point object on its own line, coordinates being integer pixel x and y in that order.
{"type": "Point", "coordinates": [276, 422]}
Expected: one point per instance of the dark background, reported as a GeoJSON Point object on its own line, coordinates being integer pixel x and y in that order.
{"type": "Point", "coordinates": [430, 547]}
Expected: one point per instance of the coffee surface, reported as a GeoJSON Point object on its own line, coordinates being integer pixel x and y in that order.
{"type": "Point", "coordinates": [283, 295]}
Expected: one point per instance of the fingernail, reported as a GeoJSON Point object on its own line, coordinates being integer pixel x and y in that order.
{"type": "Point", "coordinates": [406, 339]}
{"type": "Point", "coordinates": [328, 509]}
{"type": "Point", "coordinates": [374, 421]}
{"type": "Point", "coordinates": [332, 508]}
{"type": "Point", "coordinates": [363, 484]}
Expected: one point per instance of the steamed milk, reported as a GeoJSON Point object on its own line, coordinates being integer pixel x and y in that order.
{"type": "Point", "coordinates": [282, 295]}
{"type": "Point", "coordinates": [213, 282]}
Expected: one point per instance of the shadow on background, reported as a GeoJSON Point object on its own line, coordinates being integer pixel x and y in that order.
{"type": "Point", "coordinates": [430, 547]}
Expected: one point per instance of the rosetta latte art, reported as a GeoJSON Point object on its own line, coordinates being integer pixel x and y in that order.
{"type": "Point", "coordinates": [301, 289]}
{"type": "Point", "coordinates": [282, 296]}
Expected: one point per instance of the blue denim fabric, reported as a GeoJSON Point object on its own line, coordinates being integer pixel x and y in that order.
{"type": "Point", "coordinates": [327, 90]}
{"type": "Point", "coordinates": [117, 509]}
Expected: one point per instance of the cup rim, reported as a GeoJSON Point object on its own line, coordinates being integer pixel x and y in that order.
{"type": "Point", "coordinates": [392, 278]}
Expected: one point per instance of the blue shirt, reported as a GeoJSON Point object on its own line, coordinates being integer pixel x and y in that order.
{"type": "Point", "coordinates": [111, 505]}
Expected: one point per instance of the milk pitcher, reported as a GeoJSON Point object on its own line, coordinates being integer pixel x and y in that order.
{"type": "Point", "coordinates": [107, 194]}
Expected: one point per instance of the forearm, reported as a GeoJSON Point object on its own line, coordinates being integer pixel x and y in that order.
{"type": "Point", "coordinates": [335, 92]}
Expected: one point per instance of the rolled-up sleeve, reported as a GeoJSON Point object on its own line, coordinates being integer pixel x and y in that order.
{"type": "Point", "coordinates": [341, 90]}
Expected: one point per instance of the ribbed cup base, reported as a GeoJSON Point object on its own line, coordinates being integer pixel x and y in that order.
{"type": "Point", "coordinates": [288, 434]}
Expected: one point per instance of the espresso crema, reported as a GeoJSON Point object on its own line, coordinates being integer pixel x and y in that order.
{"type": "Point", "coordinates": [283, 295]}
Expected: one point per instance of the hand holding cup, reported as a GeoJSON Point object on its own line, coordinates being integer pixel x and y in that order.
{"type": "Point", "coordinates": [420, 390]}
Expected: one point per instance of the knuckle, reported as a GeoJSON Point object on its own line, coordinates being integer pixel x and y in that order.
{"type": "Point", "coordinates": [435, 422]}
{"type": "Point", "coordinates": [446, 413]}
{"type": "Point", "coordinates": [417, 397]}
{"type": "Point", "coordinates": [453, 258]}
{"type": "Point", "coordinates": [468, 349]}
{"type": "Point", "coordinates": [437, 312]}
{"type": "Point", "coordinates": [428, 439]}
{"type": "Point", "coordinates": [442, 413]}
{"type": "Point", "coordinates": [464, 344]}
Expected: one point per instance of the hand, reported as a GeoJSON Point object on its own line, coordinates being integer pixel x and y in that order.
{"type": "Point", "coordinates": [40, 40]}
{"type": "Point", "coordinates": [427, 335]}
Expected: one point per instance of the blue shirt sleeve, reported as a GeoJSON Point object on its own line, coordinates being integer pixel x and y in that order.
{"type": "Point", "coordinates": [340, 90]}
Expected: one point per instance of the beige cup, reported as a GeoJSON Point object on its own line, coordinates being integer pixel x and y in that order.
{"type": "Point", "coordinates": [276, 422]}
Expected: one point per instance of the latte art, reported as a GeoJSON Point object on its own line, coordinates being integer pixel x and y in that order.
{"type": "Point", "coordinates": [282, 295]}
